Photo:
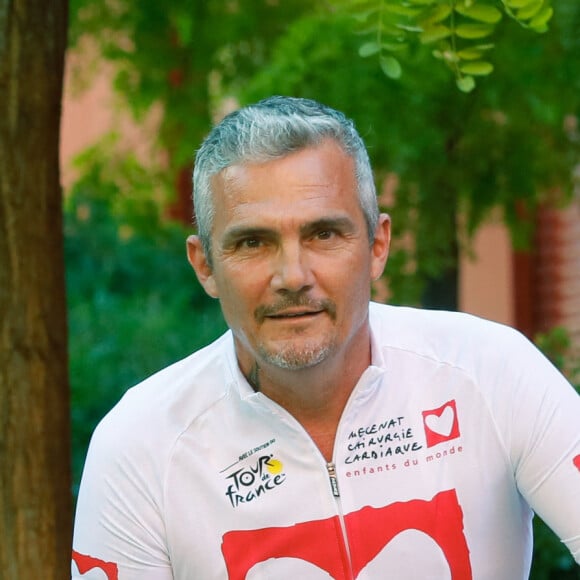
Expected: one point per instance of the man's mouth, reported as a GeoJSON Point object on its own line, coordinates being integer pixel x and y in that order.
{"type": "Point", "coordinates": [296, 308]}
{"type": "Point", "coordinates": [294, 314]}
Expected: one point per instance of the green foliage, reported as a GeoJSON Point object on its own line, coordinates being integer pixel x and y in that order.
{"type": "Point", "coordinates": [552, 560]}
{"type": "Point", "coordinates": [556, 344]}
{"type": "Point", "coordinates": [181, 55]}
{"type": "Point", "coordinates": [502, 146]}
{"type": "Point", "coordinates": [134, 304]}
{"type": "Point", "coordinates": [460, 31]}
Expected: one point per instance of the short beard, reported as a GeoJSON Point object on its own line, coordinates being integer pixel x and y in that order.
{"type": "Point", "coordinates": [294, 358]}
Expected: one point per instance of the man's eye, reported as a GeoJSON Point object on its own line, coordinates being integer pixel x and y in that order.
{"type": "Point", "coordinates": [324, 235]}
{"type": "Point", "coordinates": [250, 243]}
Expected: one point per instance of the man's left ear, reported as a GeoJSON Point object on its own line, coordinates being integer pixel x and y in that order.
{"type": "Point", "coordinates": [380, 246]}
{"type": "Point", "coordinates": [199, 263]}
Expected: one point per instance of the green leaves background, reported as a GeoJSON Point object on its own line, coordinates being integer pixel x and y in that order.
{"type": "Point", "coordinates": [460, 31]}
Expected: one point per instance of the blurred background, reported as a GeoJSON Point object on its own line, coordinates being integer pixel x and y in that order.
{"type": "Point", "coordinates": [483, 183]}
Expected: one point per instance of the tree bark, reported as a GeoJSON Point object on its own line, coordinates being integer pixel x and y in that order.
{"type": "Point", "coordinates": [35, 498]}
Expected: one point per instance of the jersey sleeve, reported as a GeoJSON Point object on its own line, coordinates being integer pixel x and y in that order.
{"type": "Point", "coordinates": [119, 528]}
{"type": "Point", "coordinates": [540, 415]}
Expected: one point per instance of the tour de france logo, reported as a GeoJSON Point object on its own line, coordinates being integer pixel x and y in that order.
{"type": "Point", "coordinates": [250, 482]}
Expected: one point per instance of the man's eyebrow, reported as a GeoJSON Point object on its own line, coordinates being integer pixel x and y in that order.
{"type": "Point", "coordinates": [236, 233]}
{"type": "Point", "coordinates": [242, 232]}
{"type": "Point", "coordinates": [340, 223]}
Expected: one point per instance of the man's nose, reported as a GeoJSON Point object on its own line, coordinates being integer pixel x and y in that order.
{"type": "Point", "coordinates": [292, 270]}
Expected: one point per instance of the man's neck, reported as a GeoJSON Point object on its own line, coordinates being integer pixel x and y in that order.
{"type": "Point", "coordinates": [315, 396]}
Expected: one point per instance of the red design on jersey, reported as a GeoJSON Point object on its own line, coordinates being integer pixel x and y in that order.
{"type": "Point", "coordinates": [441, 424]}
{"type": "Point", "coordinates": [244, 549]}
{"type": "Point", "coordinates": [369, 530]}
{"type": "Point", "coordinates": [577, 462]}
{"type": "Point", "coordinates": [86, 563]}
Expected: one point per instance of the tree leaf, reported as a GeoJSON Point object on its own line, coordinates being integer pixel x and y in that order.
{"type": "Point", "coordinates": [469, 54]}
{"type": "Point", "coordinates": [435, 33]}
{"type": "Point", "coordinates": [409, 28]}
{"type": "Point", "coordinates": [474, 30]}
{"type": "Point", "coordinates": [391, 66]}
{"type": "Point", "coordinates": [435, 14]}
{"type": "Point", "coordinates": [465, 84]}
{"type": "Point", "coordinates": [480, 13]}
{"type": "Point", "coordinates": [530, 10]}
{"type": "Point", "coordinates": [542, 18]}
{"type": "Point", "coordinates": [474, 52]}
{"type": "Point", "coordinates": [402, 9]}
{"type": "Point", "coordinates": [516, 4]}
{"type": "Point", "coordinates": [539, 29]}
{"type": "Point", "coordinates": [479, 68]}
{"type": "Point", "coordinates": [369, 48]}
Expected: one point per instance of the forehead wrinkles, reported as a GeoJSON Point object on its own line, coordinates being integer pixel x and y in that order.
{"type": "Point", "coordinates": [325, 172]}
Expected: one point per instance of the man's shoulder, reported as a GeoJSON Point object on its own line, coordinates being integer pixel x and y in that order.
{"type": "Point", "coordinates": [452, 337]}
{"type": "Point", "coordinates": [167, 402]}
{"type": "Point", "coordinates": [434, 320]}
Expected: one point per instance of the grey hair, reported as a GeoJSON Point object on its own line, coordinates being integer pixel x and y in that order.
{"type": "Point", "coordinates": [271, 129]}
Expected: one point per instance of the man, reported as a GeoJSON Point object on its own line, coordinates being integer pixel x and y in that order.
{"type": "Point", "coordinates": [324, 436]}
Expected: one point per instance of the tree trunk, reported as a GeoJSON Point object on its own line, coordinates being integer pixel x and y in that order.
{"type": "Point", "coordinates": [35, 498]}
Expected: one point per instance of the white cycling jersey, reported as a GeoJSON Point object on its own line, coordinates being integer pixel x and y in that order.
{"type": "Point", "coordinates": [457, 428]}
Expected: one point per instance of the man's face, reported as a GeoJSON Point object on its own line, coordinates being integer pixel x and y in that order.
{"type": "Point", "coordinates": [291, 260]}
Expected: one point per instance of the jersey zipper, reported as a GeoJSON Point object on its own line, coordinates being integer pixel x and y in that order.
{"type": "Point", "coordinates": [332, 476]}
{"type": "Point", "coordinates": [331, 470]}
{"type": "Point", "coordinates": [330, 467]}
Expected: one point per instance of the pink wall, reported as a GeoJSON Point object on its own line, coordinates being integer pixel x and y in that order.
{"type": "Point", "coordinates": [486, 275]}
{"type": "Point", "coordinates": [92, 111]}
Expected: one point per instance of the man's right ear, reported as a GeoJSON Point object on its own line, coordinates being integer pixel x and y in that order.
{"type": "Point", "coordinates": [199, 263]}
